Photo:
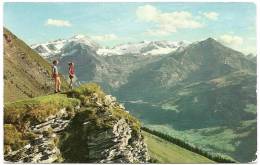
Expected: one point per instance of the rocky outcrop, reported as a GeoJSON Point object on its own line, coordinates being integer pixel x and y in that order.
{"type": "Point", "coordinates": [43, 148]}
{"type": "Point", "coordinates": [99, 130]}
{"type": "Point", "coordinates": [117, 145]}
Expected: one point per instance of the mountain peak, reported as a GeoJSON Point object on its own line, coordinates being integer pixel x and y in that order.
{"type": "Point", "coordinates": [210, 40]}
{"type": "Point", "coordinates": [84, 40]}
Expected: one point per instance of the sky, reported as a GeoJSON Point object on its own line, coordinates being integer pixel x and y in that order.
{"type": "Point", "coordinates": [109, 24]}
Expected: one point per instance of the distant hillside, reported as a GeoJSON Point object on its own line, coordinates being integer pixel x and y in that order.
{"type": "Point", "coordinates": [26, 74]}
{"type": "Point", "coordinates": [162, 151]}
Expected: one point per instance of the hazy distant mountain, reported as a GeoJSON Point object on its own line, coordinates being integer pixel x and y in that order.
{"type": "Point", "coordinates": [200, 61]}
{"type": "Point", "coordinates": [252, 57]}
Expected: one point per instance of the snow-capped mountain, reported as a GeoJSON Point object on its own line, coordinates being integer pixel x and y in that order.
{"type": "Point", "coordinates": [59, 46]}
{"type": "Point", "coordinates": [143, 48]}
{"type": "Point", "coordinates": [66, 47]}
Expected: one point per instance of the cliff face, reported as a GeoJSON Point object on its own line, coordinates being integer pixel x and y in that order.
{"type": "Point", "coordinates": [83, 125]}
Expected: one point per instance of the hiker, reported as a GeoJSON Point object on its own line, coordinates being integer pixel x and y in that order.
{"type": "Point", "coordinates": [8, 39]}
{"type": "Point", "coordinates": [71, 73]}
{"type": "Point", "coordinates": [55, 76]}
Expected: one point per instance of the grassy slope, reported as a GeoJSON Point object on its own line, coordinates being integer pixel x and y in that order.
{"type": "Point", "coordinates": [166, 152]}
{"type": "Point", "coordinates": [26, 74]}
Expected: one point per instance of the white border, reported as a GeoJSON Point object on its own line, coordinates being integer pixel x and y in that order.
{"type": "Point", "coordinates": [92, 1]}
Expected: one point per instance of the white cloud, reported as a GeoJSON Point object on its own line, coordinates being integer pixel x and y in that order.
{"type": "Point", "coordinates": [57, 22]}
{"type": "Point", "coordinates": [231, 40]}
{"type": "Point", "coordinates": [167, 22]}
{"type": "Point", "coordinates": [238, 43]}
{"type": "Point", "coordinates": [106, 37]}
{"type": "Point", "coordinates": [211, 15]}
{"type": "Point", "coordinates": [147, 13]}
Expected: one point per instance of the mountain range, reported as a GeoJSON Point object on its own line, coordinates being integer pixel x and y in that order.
{"type": "Point", "coordinates": [59, 47]}
{"type": "Point", "coordinates": [204, 91]}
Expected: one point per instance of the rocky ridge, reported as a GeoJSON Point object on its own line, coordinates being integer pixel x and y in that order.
{"type": "Point", "coordinates": [108, 135]}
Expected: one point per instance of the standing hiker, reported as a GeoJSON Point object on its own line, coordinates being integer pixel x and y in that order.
{"type": "Point", "coordinates": [8, 39]}
{"type": "Point", "coordinates": [55, 76]}
{"type": "Point", "coordinates": [71, 73]}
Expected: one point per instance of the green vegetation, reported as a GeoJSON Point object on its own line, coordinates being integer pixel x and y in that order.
{"type": "Point", "coordinates": [163, 151]}
{"type": "Point", "coordinates": [222, 140]}
{"type": "Point", "coordinates": [37, 109]}
{"type": "Point", "coordinates": [251, 108]}
{"type": "Point", "coordinates": [13, 139]}
{"type": "Point", "coordinates": [91, 93]}
{"type": "Point", "coordinates": [87, 90]}
{"type": "Point", "coordinates": [19, 115]}
{"type": "Point", "coordinates": [215, 157]}
{"type": "Point", "coordinates": [120, 113]}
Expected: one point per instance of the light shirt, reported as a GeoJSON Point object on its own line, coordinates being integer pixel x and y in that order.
{"type": "Point", "coordinates": [55, 69]}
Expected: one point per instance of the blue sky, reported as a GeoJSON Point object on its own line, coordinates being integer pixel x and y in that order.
{"type": "Point", "coordinates": [233, 24]}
